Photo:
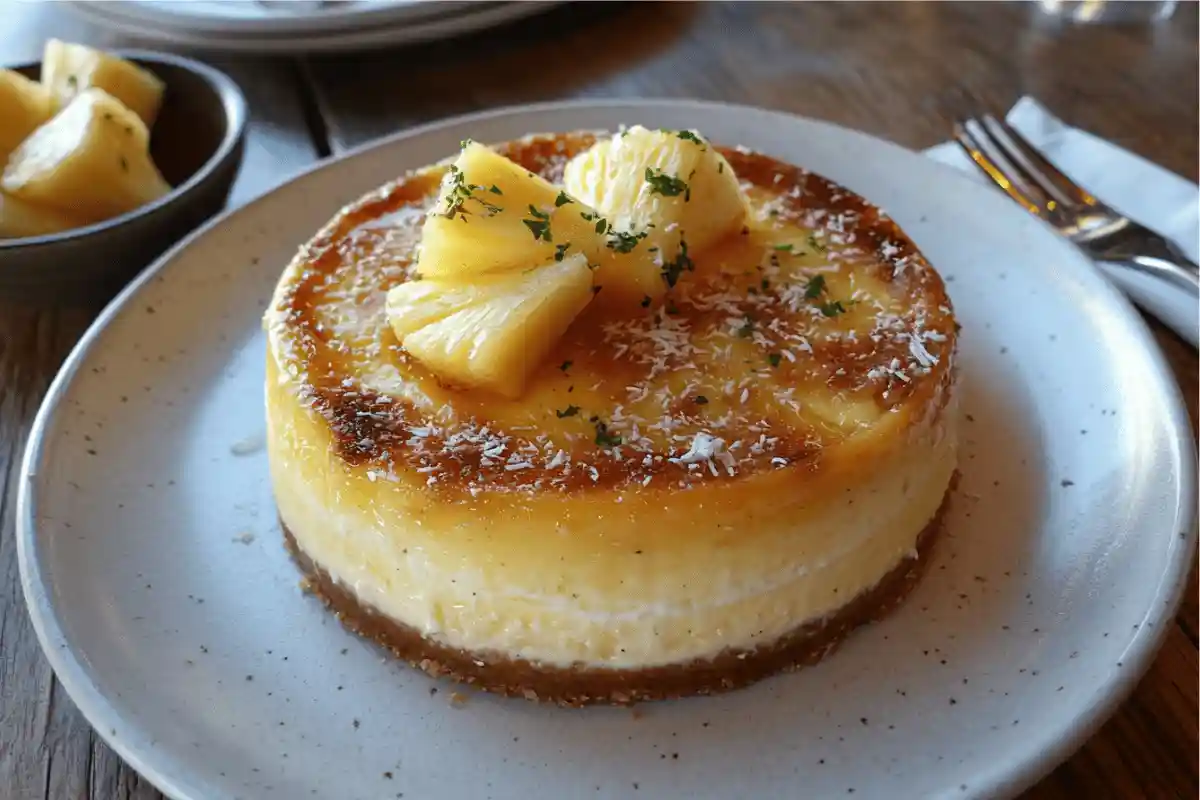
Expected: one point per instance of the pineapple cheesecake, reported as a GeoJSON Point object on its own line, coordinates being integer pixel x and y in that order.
{"type": "Point", "coordinates": [605, 419]}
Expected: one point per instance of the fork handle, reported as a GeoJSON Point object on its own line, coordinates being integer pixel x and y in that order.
{"type": "Point", "coordinates": [1172, 271]}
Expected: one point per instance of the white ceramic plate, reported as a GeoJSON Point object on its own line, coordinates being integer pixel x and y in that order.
{"type": "Point", "coordinates": [154, 571]}
{"type": "Point", "coordinates": [352, 34]}
{"type": "Point", "coordinates": [269, 17]}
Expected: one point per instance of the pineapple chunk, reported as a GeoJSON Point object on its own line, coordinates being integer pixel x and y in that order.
{"type": "Point", "coordinates": [493, 332]}
{"type": "Point", "coordinates": [89, 161]}
{"type": "Point", "coordinates": [71, 69]}
{"type": "Point", "coordinates": [18, 219]}
{"type": "Point", "coordinates": [493, 215]}
{"type": "Point", "coordinates": [670, 187]}
{"type": "Point", "coordinates": [24, 105]}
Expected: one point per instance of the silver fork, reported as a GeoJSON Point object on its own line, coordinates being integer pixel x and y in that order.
{"type": "Point", "coordinates": [1103, 233]}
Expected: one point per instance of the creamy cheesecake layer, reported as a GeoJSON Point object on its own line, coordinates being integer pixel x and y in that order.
{"type": "Point", "coordinates": [620, 579]}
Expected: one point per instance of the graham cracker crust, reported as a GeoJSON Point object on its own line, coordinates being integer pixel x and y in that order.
{"type": "Point", "coordinates": [580, 686]}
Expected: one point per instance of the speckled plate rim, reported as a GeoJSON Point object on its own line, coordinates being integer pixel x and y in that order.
{"type": "Point", "coordinates": [1045, 749]}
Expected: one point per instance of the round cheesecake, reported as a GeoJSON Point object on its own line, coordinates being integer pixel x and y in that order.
{"type": "Point", "coordinates": [688, 495]}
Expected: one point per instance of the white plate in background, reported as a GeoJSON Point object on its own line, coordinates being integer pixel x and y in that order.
{"type": "Point", "coordinates": [361, 35]}
{"type": "Point", "coordinates": [155, 574]}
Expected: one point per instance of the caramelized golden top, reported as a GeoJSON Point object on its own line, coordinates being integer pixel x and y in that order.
{"type": "Point", "coordinates": [807, 328]}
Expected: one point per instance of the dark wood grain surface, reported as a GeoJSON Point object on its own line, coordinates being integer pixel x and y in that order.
{"type": "Point", "coordinates": [903, 71]}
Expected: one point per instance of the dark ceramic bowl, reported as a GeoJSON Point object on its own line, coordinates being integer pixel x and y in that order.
{"type": "Point", "coordinates": [196, 142]}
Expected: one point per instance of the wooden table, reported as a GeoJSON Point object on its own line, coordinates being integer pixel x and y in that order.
{"type": "Point", "coordinates": [902, 71]}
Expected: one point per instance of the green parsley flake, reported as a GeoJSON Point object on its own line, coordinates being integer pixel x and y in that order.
{"type": "Point", "coordinates": [747, 329]}
{"type": "Point", "coordinates": [604, 438]}
{"type": "Point", "coordinates": [784, 248]}
{"type": "Point", "coordinates": [566, 365]}
{"type": "Point", "coordinates": [774, 358]}
{"type": "Point", "coordinates": [461, 191]}
{"type": "Point", "coordinates": [569, 411]}
{"type": "Point", "coordinates": [814, 287]}
{"type": "Point", "coordinates": [646, 301]}
{"type": "Point", "coordinates": [673, 269]}
{"type": "Point", "coordinates": [623, 242]}
{"type": "Point", "coordinates": [601, 225]}
{"type": "Point", "coordinates": [815, 245]}
{"type": "Point", "coordinates": [666, 185]}
{"type": "Point", "coordinates": [701, 400]}
{"type": "Point", "coordinates": [562, 199]}
{"type": "Point", "coordinates": [560, 251]}
{"type": "Point", "coordinates": [832, 308]}
{"type": "Point", "coordinates": [539, 225]}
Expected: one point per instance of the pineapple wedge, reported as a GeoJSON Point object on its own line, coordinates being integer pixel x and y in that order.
{"type": "Point", "coordinates": [670, 187]}
{"type": "Point", "coordinates": [492, 215]}
{"type": "Point", "coordinates": [89, 161]}
{"type": "Point", "coordinates": [493, 332]}
{"type": "Point", "coordinates": [24, 105]}
{"type": "Point", "coordinates": [19, 219]}
{"type": "Point", "coordinates": [71, 69]}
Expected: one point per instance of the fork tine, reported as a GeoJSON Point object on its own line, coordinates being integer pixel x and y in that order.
{"type": "Point", "coordinates": [1048, 177]}
{"type": "Point", "coordinates": [993, 165]}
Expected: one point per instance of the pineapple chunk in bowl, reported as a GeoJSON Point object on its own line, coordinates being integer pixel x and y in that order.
{"type": "Point", "coordinates": [194, 151]}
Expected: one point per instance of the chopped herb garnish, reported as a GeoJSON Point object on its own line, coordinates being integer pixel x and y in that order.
{"type": "Point", "coordinates": [73, 81]}
{"type": "Point", "coordinates": [688, 136]}
{"type": "Point", "coordinates": [587, 216]}
{"type": "Point", "coordinates": [566, 365]}
{"type": "Point", "coordinates": [601, 225]}
{"type": "Point", "coordinates": [814, 287]}
{"type": "Point", "coordinates": [720, 167]}
{"type": "Point", "coordinates": [666, 185]}
{"type": "Point", "coordinates": [465, 143]}
{"type": "Point", "coordinates": [832, 308]}
{"type": "Point", "coordinates": [766, 284]}
{"type": "Point", "coordinates": [495, 189]}
{"type": "Point", "coordinates": [646, 301]}
{"type": "Point", "coordinates": [815, 245]}
{"type": "Point", "coordinates": [562, 199]}
{"type": "Point", "coordinates": [784, 248]}
{"type": "Point", "coordinates": [673, 269]}
{"type": "Point", "coordinates": [774, 358]}
{"type": "Point", "coordinates": [623, 242]}
{"type": "Point", "coordinates": [560, 251]}
{"type": "Point", "coordinates": [539, 225]}
{"type": "Point", "coordinates": [747, 329]}
{"type": "Point", "coordinates": [671, 308]}
{"type": "Point", "coordinates": [603, 437]}
{"type": "Point", "coordinates": [701, 400]}
{"type": "Point", "coordinates": [461, 191]}
{"type": "Point", "coordinates": [569, 411]}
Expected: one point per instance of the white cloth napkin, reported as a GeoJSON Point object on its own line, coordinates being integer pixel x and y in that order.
{"type": "Point", "coordinates": [1145, 192]}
